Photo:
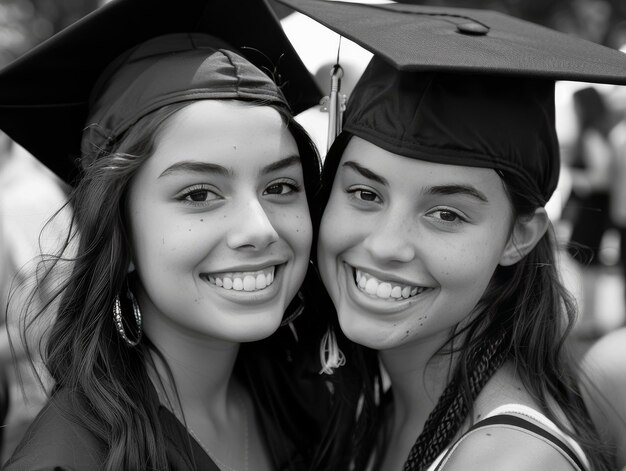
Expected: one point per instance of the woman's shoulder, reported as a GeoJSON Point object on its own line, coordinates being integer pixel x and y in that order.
{"type": "Point", "coordinates": [510, 442]}
{"type": "Point", "coordinates": [56, 441]}
{"type": "Point", "coordinates": [511, 434]}
{"type": "Point", "coordinates": [504, 448]}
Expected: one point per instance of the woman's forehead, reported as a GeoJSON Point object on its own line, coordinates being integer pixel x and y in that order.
{"type": "Point", "coordinates": [224, 134]}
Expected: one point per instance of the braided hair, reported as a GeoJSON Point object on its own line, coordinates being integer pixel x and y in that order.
{"type": "Point", "coordinates": [454, 404]}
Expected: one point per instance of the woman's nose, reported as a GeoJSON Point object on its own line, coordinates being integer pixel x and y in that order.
{"type": "Point", "coordinates": [252, 228]}
{"type": "Point", "coordinates": [391, 240]}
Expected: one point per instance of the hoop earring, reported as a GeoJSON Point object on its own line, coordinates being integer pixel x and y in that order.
{"type": "Point", "coordinates": [331, 356]}
{"type": "Point", "coordinates": [117, 318]}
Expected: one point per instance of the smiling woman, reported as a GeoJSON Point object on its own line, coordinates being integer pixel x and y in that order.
{"type": "Point", "coordinates": [393, 291]}
{"type": "Point", "coordinates": [192, 234]}
{"type": "Point", "coordinates": [442, 261]}
{"type": "Point", "coordinates": [435, 245]}
{"type": "Point", "coordinates": [236, 211]}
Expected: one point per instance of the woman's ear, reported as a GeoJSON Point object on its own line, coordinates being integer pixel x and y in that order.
{"type": "Point", "coordinates": [526, 233]}
{"type": "Point", "coordinates": [131, 267]}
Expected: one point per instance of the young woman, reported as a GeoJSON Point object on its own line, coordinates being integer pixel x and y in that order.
{"type": "Point", "coordinates": [435, 246]}
{"type": "Point", "coordinates": [438, 254]}
{"type": "Point", "coordinates": [441, 258]}
{"type": "Point", "coordinates": [591, 167]}
{"type": "Point", "coordinates": [191, 239]}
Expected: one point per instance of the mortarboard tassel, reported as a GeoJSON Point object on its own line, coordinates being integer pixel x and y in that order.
{"type": "Point", "coordinates": [336, 104]}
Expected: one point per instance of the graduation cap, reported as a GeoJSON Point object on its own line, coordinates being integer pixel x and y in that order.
{"type": "Point", "coordinates": [418, 37]}
{"type": "Point", "coordinates": [44, 95]}
{"type": "Point", "coordinates": [462, 86]}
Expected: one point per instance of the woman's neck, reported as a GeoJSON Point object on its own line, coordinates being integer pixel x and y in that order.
{"type": "Point", "coordinates": [201, 370]}
{"type": "Point", "coordinates": [199, 387]}
{"type": "Point", "coordinates": [418, 376]}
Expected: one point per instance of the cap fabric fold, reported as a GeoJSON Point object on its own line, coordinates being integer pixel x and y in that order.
{"type": "Point", "coordinates": [169, 69]}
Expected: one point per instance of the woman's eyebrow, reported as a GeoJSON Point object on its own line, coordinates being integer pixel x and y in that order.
{"type": "Point", "coordinates": [365, 172]}
{"type": "Point", "coordinates": [467, 190]}
{"type": "Point", "coordinates": [206, 167]}
{"type": "Point", "coordinates": [195, 166]}
{"type": "Point", "coordinates": [281, 164]}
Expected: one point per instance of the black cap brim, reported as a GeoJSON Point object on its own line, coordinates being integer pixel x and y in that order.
{"type": "Point", "coordinates": [44, 94]}
{"type": "Point", "coordinates": [417, 37]}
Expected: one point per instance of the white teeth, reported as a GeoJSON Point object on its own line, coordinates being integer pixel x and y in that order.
{"type": "Point", "coordinates": [362, 282]}
{"type": "Point", "coordinates": [249, 283]}
{"type": "Point", "coordinates": [384, 289]}
{"type": "Point", "coordinates": [260, 281]}
{"type": "Point", "coordinates": [244, 281]}
{"type": "Point", "coordinates": [371, 286]}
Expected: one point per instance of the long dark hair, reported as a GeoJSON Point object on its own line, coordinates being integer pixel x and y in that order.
{"type": "Point", "coordinates": [84, 354]}
{"type": "Point", "coordinates": [524, 316]}
{"type": "Point", "coordinates": [360, 428]}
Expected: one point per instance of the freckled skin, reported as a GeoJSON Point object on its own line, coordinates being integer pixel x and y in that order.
{"type": "Point", "coordinates": [402, 230]}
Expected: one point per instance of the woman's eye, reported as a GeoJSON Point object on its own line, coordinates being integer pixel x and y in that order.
{"type": "Point", "coordinates": [447, 215]}
{"type": "Point", "coordinates": [281, 188]}
{"type": "Point", "coordinates": [198, 194]}
{"type": "Point", "coordinates": [362, 194]}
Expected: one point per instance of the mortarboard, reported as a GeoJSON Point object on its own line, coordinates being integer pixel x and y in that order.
{"type": "Point", "coordinates": [44, 95]}
{"type": "Point", "coordinates": [418, 37]}
{"type": "Point", "coordinates": [462, 86]}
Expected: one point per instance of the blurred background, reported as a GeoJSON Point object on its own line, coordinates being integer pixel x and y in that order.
{"type": "Point", "coordinates": [588, 210]}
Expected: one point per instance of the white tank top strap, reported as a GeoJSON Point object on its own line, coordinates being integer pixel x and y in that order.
{"type": "Point", "coordinates": [518, 415]}
{"type": "Point", "coordinates": [525, 411]}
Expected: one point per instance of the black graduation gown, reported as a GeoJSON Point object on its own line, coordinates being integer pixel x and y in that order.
{"type": "Point", "coordinates": [55, 443]}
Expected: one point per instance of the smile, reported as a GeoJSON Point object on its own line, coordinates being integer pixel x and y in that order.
{"type": "Point", "coordinates": [243, 281]}
{"type": "Point", "coordinates": [376, 288]}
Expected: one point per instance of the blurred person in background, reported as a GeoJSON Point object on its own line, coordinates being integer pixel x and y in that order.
{"type": "Point", "coordinates": [590, 166]}
{"type": "Point", "coordinates": [616, 99]}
